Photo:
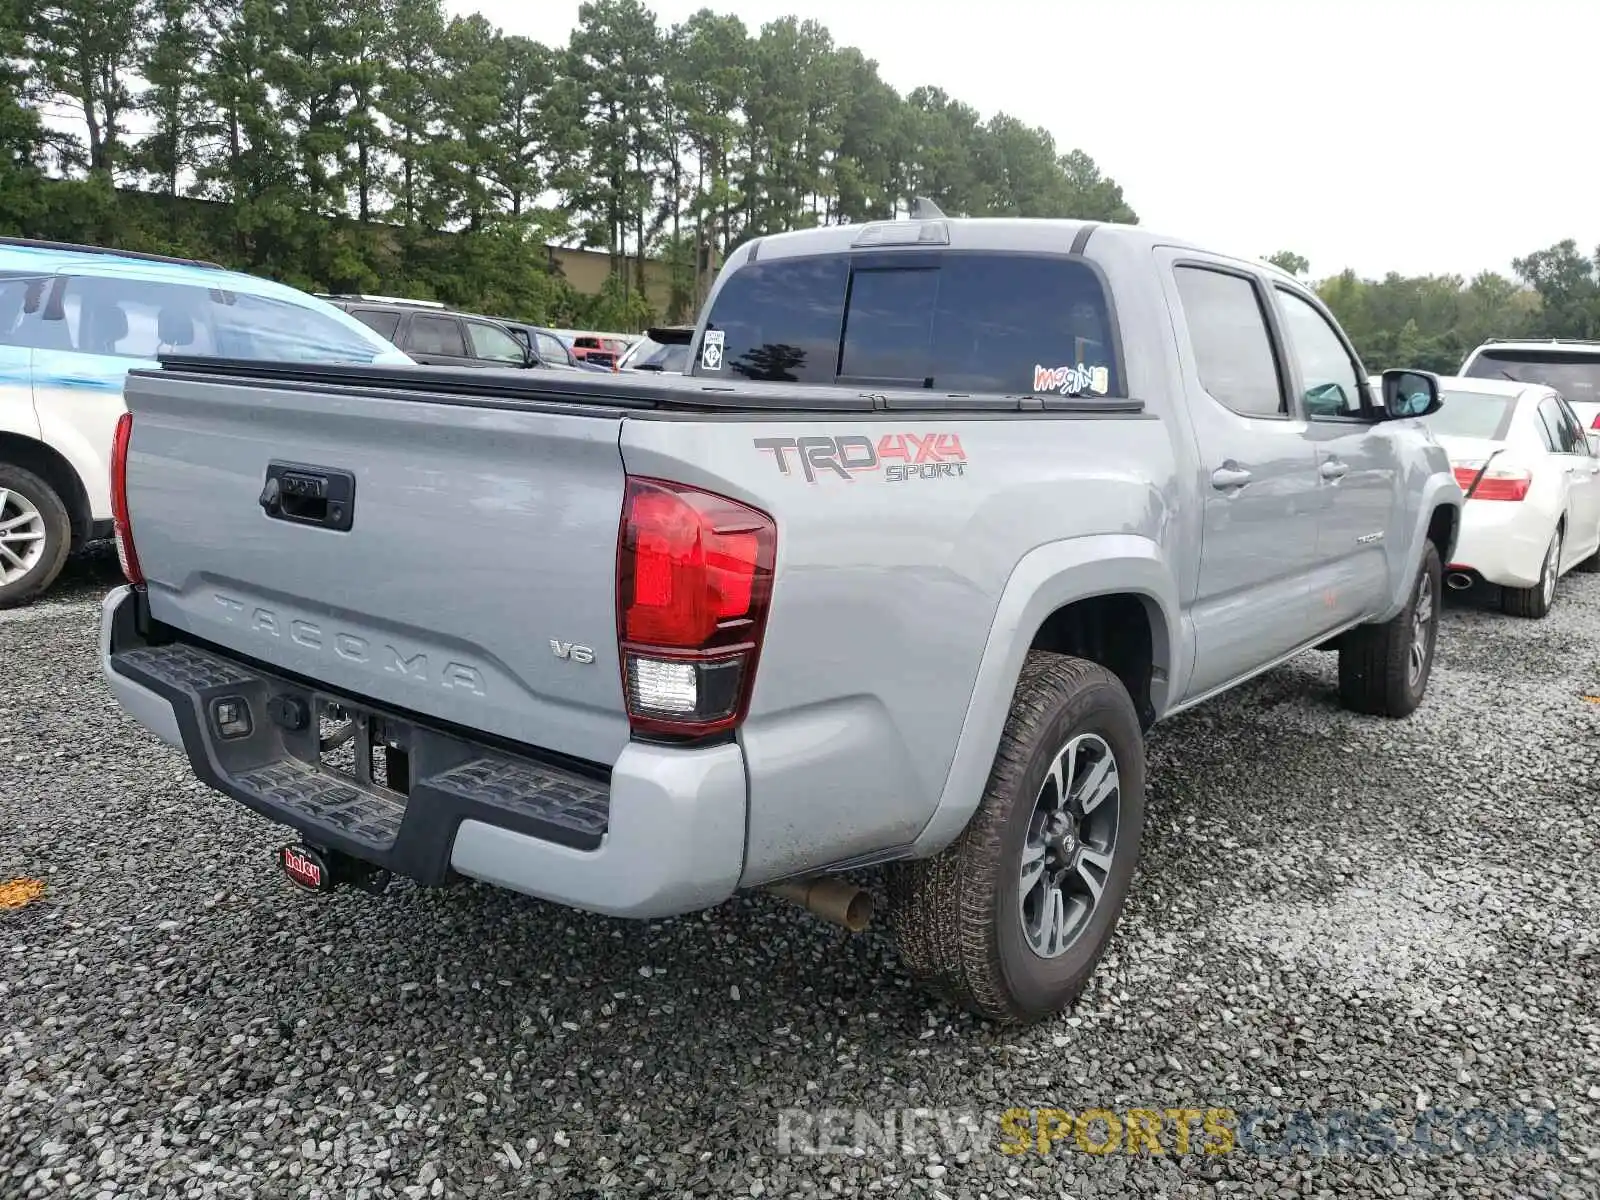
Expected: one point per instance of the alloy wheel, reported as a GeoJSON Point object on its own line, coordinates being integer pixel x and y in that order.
{"type": "Point", "coordinates": [22, 535]}
{"type": "Point", "coordinates": [1072, 835]}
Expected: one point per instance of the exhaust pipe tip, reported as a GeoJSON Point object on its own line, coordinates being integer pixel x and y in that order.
{"type": "Point", "coordinates": [1458, 581]}
{"type": "Point", "coordinates": [831, 898]}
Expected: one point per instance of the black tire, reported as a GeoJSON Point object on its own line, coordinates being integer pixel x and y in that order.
{"type": "Point", "coordinates": [57, 534]}
{"type": "Point", "coordinates": [957, 916]}
{"type": "Point", "coordinates": [1375, 675]}
{"type": "Point", "coordinates": [1535, 602]}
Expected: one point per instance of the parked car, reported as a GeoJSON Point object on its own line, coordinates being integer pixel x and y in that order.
{"type": "Point", "coordinates": [1572, 367]}
{"type": "Point", "coordinates": [947, 514]}
{"type": "Point", "coordinates": [433, 334]}
{"type": "Point", "coordinates": [73, 319]}
{"type": "Point", "coordinates": [664, 348]}
{"type": "Point", "coordinates": [597, 349]}
{"type": "Point", "coordinates": [548, 347]}
{"type": "Point", "coordinates": [1531, 477]}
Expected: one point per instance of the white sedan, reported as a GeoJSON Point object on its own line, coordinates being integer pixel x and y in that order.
{"type": "Point", "coordinates": [1531, 476]}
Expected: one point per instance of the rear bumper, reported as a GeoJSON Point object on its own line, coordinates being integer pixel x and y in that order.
{"type": "Point", "coordinates": [1503, 541]}
{"type": "Point", "coordinates": [662, 833]}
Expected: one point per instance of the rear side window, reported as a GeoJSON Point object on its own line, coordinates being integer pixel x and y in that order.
{"type": "Point", "coordinates": [436, 335]}
{"type": "Point", "coordinates": [384, 324]}
{"type": "Point", "coordinates": [1232, 348]}
{"type": "Point", "coordinates": [955, 321]}
{"type": "Point", "coordinates": [1567, 439]}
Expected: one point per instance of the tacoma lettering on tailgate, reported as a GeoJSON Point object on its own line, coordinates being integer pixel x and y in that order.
{"type": "Point", "coordinates": [411, 666]}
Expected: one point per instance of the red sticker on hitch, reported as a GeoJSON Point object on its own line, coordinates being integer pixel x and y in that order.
{"type": "Point", "coordinates": [304, 866]}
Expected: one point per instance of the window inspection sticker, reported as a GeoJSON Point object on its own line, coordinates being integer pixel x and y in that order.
{"type": "Point", "coordinates": [711, 350]}
{"type": "Point", "coordinates": [1072, 381]}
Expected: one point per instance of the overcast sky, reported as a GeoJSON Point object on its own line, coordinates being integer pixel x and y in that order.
{"type": "Point", "coordinates": [1409, 135]}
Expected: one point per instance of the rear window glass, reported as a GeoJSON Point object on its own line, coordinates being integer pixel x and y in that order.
{"type": "Point", "coordinates": [952, 321]}
{"type": "Point", "coordinates": [1576, 375]}
{"type": "Point", "coordinates": [1471, 415]}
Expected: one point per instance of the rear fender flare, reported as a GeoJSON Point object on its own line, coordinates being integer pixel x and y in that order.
{"type": "Point", "coordinates": [1050, 577]}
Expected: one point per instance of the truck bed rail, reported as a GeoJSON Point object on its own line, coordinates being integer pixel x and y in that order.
{"type": "Point", "coordinates": [515, 388]}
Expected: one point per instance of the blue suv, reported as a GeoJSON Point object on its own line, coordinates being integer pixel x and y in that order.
{"type": "Point", "coordinates": [73, 320]}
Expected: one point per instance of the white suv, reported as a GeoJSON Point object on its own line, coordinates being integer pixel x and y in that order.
{"type": "Point", "coordinates": [1571, 367]}
{"type": "Point", "coordinates": [73, 321]}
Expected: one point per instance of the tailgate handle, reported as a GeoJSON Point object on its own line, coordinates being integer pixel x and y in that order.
{"type": "Point", "coordinates": [307, 495]}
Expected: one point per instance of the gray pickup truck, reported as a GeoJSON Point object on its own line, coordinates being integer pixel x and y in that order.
{"type": "Point", "coordinates": [945, 516]}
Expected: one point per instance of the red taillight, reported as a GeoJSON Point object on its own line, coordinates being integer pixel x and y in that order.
{"type": "Point", "coordinates": [1495, 485]}
{"type": "Point", "coordinates": [1595, 424]}
{"type": "Point", "coordinates": [126, 555]}
{"type": "Point", "coordinates": [694, 575]}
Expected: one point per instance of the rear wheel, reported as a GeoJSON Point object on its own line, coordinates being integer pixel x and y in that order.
{"type": "Point", "coordinates": [1011, 918]}
{"type": "Point", "coordinates": [1384, 669]}
{"type": "Point", "coordinates": [35, 535]}
{"type": "Point", "coordinates": [1535, 601]}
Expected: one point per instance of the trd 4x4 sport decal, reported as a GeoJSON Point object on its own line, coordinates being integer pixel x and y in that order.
{"type": "Point", "coordinates": [900, 456]}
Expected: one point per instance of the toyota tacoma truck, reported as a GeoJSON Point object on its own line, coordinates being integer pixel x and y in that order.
{"type": "Point", "coordinates": [944, 516]}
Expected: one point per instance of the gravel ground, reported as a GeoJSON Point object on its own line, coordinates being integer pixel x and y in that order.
{"type": "Point", "coordinates": [1333, 913]}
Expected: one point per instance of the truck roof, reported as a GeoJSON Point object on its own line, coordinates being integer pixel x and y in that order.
{"type": "Point", "coordinates": [961, 233]}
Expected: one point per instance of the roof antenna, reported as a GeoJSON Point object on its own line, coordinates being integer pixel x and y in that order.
{"type": "Point", "coordinates": [923, 209]}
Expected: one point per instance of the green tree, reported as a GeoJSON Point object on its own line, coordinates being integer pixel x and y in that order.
{"type": "Point", "coordinates": [1288, 260]}
{"type": "Point", "coordinates": [407, 102]}
{"type": "Point", "coordinates": [1569, 293]}
{"type": "Point", "coordinates": [614, 60]}
{"type": "Point", "coordinates": [86, 53]}
{"type": "Point", "coordinates": [21, 137]}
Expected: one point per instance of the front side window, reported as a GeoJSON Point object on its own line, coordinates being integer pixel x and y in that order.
{"type": "Point", "coordinates": [494, 344]}
{"type": "Point", "coordinates": [957, 322]}
{"type": "Point", "coordinates": [1332, 383]}
{"type": "Point", "coordinates": [1231, 343]}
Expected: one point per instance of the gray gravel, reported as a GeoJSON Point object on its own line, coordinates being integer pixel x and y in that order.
{"type": "Point", "coordinates": [1333, 913]}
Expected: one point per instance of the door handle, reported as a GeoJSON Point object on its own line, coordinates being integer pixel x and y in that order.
{"type": "Point", "coordinates": [1225, 478]}
{"type": "Point", "coordinates": [1334, 469]}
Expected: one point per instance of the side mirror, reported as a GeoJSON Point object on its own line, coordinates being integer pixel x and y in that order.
{"type": "Point", "coordinates": [1411, 394]}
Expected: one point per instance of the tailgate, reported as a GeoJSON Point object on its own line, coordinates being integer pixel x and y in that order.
{"type": "Point", "coordinates": [478, 565]}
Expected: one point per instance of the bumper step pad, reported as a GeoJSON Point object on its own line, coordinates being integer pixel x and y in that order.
{"type": "Point", "coordinates": [275, 771]}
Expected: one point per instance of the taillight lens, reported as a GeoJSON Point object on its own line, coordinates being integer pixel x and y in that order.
{"type": "Point", "coordinates": [1495, 485]}
{"type": "Point", "coordinates": [694, 577]}
{"type": "Point", "coordinates": [1595, 424]}
{"type": "Point", "coordinates": [126, 555]}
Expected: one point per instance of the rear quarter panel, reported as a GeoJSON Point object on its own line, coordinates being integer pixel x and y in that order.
{"type": "Point", "coordinates": [887, 592]}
